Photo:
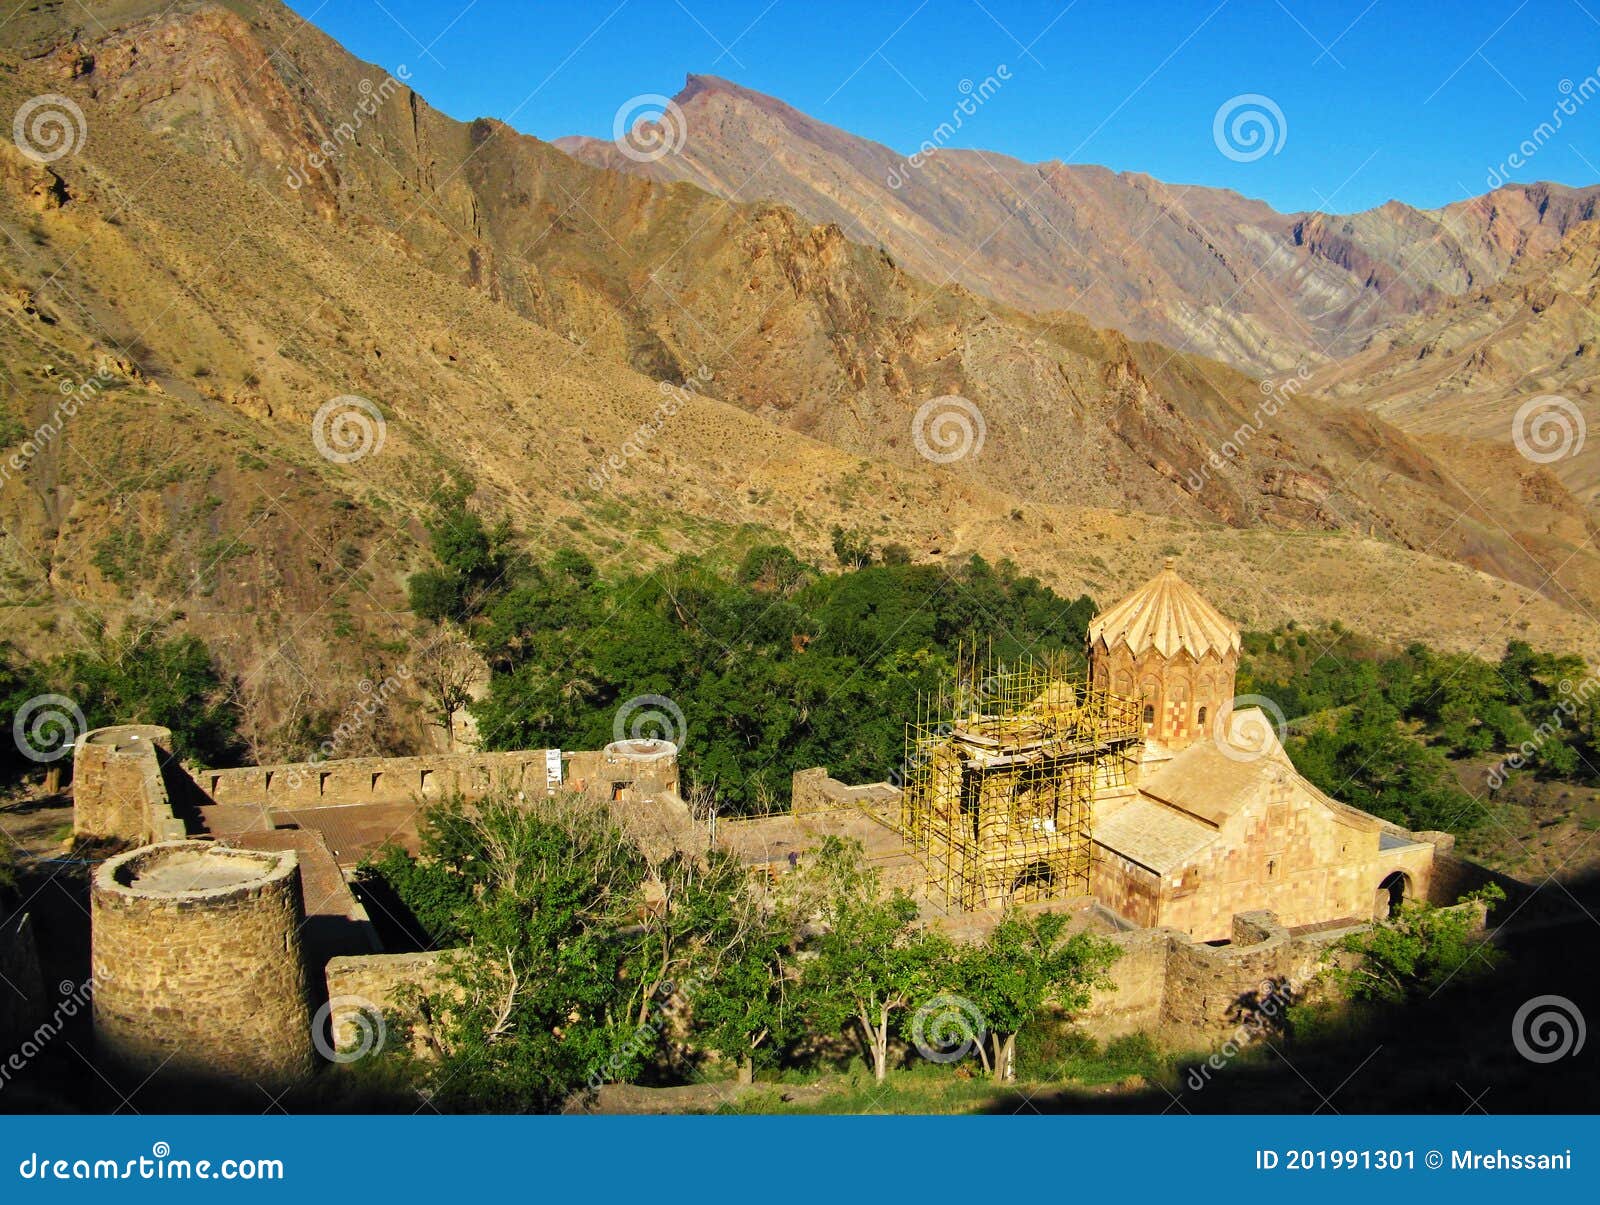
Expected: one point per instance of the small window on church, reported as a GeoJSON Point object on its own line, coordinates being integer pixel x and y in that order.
{"type": "Point", "coordinates": [1201, 718]}
{"type": "Point", "coordinates": [1149, 714]}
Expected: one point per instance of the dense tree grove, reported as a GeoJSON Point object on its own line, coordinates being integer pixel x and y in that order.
{"type": "Point", "coordinates": [1380, 725]}
{"type": "Point", "coordinates": [772, 666]}
{"type": "Point", "coordinates": [136, 677]}
{"type": "Point", "coordinates": [1414, 954]}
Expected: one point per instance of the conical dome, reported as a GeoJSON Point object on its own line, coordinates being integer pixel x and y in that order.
{"type": "Point", "coordinates": [1166, 614]}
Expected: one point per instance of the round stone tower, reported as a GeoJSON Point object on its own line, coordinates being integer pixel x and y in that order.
{"type": "Point", "coordinates": [646, 764]}
{"type": "Point", "coordinates": [197, 962]}
{"type": "Point", "coordinates": [117, 788]}
{"type": "Point", "coordinates": [1172, 650]}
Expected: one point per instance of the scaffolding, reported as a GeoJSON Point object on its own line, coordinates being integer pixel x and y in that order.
{"type": "Point", "coordinates": [1002, 767]}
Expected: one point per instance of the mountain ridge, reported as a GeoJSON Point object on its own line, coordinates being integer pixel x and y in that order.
{"type": "Point", "coordinates": [1213, 271]}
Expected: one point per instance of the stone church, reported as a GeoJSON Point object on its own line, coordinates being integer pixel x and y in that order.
{"type": "Point", "coordinates": [1217, 821]}
{"type": "Point", "coordinates": [1203, 818]}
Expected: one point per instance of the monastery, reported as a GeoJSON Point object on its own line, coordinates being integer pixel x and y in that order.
{"type": "Point", "coordinates": [1145, 799]}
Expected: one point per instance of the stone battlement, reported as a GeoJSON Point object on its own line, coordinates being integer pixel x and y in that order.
{"type": "Point", "coordinates": [358, 780]}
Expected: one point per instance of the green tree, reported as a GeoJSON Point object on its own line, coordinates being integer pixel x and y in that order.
{"type": "Point", "coordinates": [20, 681]}
{"type": "Point", "coordinates": [870, 958]}
{"type": "Point", "coordinates": [544, 898]}
{"type": "Point", "coordinates": [1416, 952]}
{"type": "Point", "coordinates": [1368, 761]}
{"type": "Point", "coordinates": [738, 981]}
{"type": "Point", "coordinates": [472, 564]}
{"type": "Point", "coordinates": [143, 677]}
{"type": "Point", "coordinates": [1024, 964]}
{"type": "Point", "coordinates": [851, 549]}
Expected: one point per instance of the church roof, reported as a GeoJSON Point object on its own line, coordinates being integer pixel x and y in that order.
{"type": "Point", "coordinates": [1218, 777]}
{"type": "Point", "coordinates": [1154, 835]}
{"type": "Point", "coordinates": [1181, 807]}
{"type": "Point", "coordinates": [1167, 614]}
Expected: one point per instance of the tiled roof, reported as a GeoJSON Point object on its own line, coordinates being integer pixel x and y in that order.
{"type": "Point", "coordinates": [1154, 835]}
{"type": "Point", "coordinates": [1167, 614]}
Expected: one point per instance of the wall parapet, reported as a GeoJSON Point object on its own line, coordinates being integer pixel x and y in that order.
{"type": "Point", "coordinates": [814, 790]}
{"type": "Point", "coordinates": [360, 780]}
{"type": "Point", "coordinates": [364, 990]}
{"type": "Point", "coordinates": [1168, 983]}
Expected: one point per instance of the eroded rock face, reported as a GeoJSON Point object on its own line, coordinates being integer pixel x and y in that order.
{"type": "Point", "coordinates": [1204, 269]}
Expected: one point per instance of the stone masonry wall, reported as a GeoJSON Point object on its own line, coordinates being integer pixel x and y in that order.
{"type": "Point", "coordinates": [377, 779]}
{"type": "Point", "coordinates": [1185, 991]}
{"type": "Point", "coordinates": [1210, 989]}
{"type": "Point", "coordinates": [211, 983]}
{"type": "Point", "coordinates": [814, 791]}
{"type": "Point", "coordinates": [1134, 1001]}
{"type": "Point", "coordinates": [363, 988]}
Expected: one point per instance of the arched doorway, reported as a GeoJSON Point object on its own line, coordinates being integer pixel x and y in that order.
{"type": "Point", "coordinates": [1036, 882]}
{"type": "Point", "coordinates": [1394, 891]}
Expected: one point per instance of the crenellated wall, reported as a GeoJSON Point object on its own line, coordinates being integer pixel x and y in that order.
{"type": "Point", "coordinates": [377, 779]}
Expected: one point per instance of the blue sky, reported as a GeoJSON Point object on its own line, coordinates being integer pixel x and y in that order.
{"type": "Point", "coordinates": [1423, 101]}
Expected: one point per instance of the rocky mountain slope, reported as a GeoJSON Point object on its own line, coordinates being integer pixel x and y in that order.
{"type": "Point", "coordinates": [1200, 269]}
{"type": "Point", "coordinates": [203, 288]}
{"type": "Point", "coordinates": [1502, 384]}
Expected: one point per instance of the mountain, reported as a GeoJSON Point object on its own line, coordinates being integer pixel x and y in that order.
{"type": "Point", "coordinates": [257, 227]}
{"type": "Point", "coordinates": [1202, 270]}
{"type": "Point", "coordinates": [1466, 383]}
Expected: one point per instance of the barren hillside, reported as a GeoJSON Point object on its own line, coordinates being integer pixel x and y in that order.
{"type": "Point", "coordinates": [471, 285]}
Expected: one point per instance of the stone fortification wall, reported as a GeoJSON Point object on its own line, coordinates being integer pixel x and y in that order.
{"type": "Point", "coordinates": [377, 779]}
{"type": "Point", "coordinates": [197, 962]}
{"type": "Point", "coordinates": [367, 992]}
{"type": "Point", "coordinates": [814, 791]}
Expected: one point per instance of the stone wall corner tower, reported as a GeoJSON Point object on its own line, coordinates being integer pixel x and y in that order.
{"type": "Point", "coordinates": [1172, 650]}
